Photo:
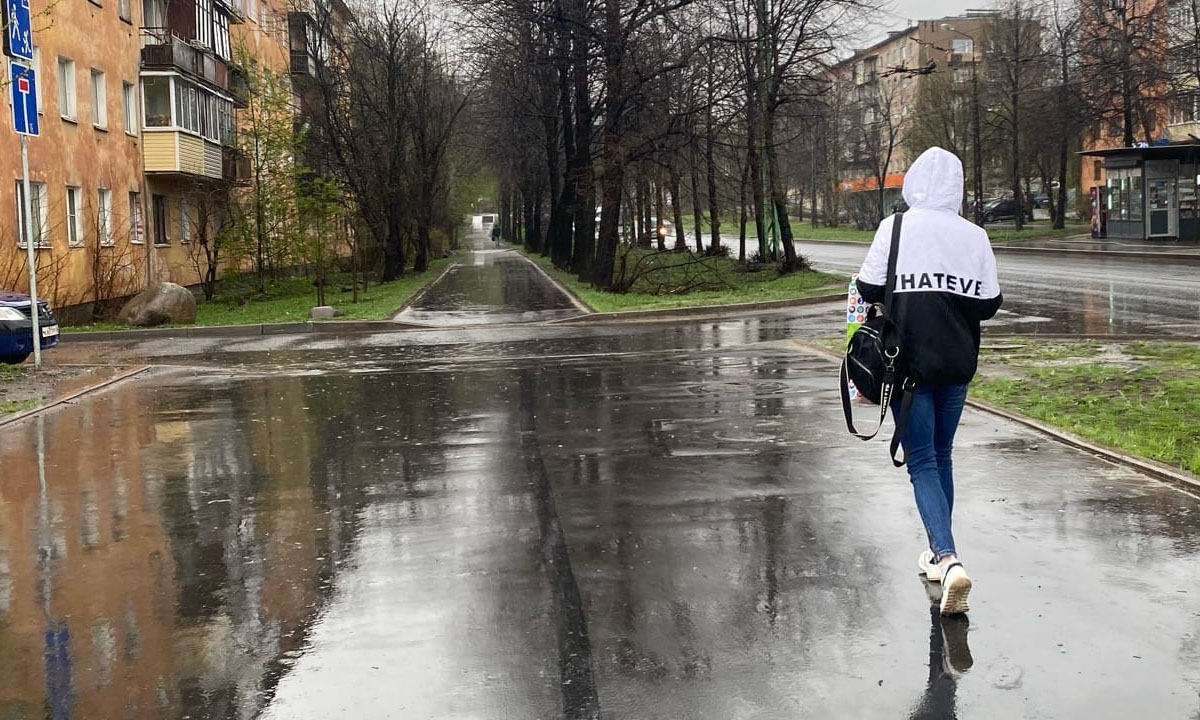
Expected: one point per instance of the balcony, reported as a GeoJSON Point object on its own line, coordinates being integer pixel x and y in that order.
{"type": "Point", "coordinates": [235, 166]}
{"type": "Point", "coordinates": [239, 86]}
{"type": "Point", "coordinates": [164, 50]}
{"type": "Point", "coordinates": [175, 152]}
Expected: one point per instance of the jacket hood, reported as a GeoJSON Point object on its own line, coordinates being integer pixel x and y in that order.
{"type": "Point", "coordinates": [935, 181]}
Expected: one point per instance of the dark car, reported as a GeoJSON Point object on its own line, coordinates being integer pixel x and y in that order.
{"type": "Point", "coordinates": [16, 327]}
{"type": "Point", "coordinates": [1000, 209]}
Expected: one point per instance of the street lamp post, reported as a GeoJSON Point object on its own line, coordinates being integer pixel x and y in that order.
{"type": "Point", "coordinates": [976, 138]}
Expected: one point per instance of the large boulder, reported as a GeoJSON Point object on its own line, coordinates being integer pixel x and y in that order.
{"type": "Point", "coordinates": [160, 304]}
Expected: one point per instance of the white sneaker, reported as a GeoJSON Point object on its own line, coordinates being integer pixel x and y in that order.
{"type": "Point", "coordinates": [955, 588]}
{"type": "Point", "coordinates": [929, 567]}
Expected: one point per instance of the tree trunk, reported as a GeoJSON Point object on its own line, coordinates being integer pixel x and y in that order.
{"type": "Point", "coordinates": [613, 179]}
{"type": "Point", "coordinates": [583, 251]}
{"type": "Point", "coordinates": [714, 212]}
{"type": "Point", "coordinates": [536, 230]}
{"type": "Point", "coordinates": [422, 262]}
{"type": "Point", "coordinates": [755, 173]}
{"type": "Point", "coordinates": [393, 247]}
{"type": "Point", "coordinates": [660, 209]}
{"type": "Point", "coordinates": [742, 211]}
{"type": "Point", "coordinates": [677, 210]}
{"type": "Point", "coordinates": [697, 213]}
{"type": "Point", "coordinates": [779, 197]}
{"type": "Point", "coordinates": [527, 222]}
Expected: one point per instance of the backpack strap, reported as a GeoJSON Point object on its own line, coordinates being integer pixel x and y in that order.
{"type": "Point", "coordinates": [908, 390]}
{"type": "Point", "coordinates": [848, 411]}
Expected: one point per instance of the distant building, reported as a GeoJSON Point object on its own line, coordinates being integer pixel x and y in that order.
{"type": "Point", "coordinates": [139, 104]}
{"type": "Point", "coordinates": [1148, 190]}
{"type": "Point", "coordinates": [878, 88]}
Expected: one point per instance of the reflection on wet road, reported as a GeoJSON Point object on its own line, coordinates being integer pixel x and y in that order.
{"type": "Point", "coordinates": [1073, 295]}
{"type": "Point", "coordinates": [663, 521]}
{"type": "Point", "coordinates": [490, 285]}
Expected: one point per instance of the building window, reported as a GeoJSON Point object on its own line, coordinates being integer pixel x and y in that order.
{"type": "Point", "coordinates": [74, 202]}
{"type": "Point", "coordinates": [1097, 166]}
{"type": "Point", "coordinates": [123, 10]}
{"type": "Point", "coordinates": [187, 110]}
{"type": "Point", "coordinates": [962, 46]}
{"type": "Point", "coordinates": [129, 107]}
{"type": "Point", "coordinates": [66, 89]}
{"type": "Point", "coordinates": [264, 14]}
{"type": "Point", "coordinates": [1184, 110]}
{"type": "Point", "coordinates": [221, 36]}
{"type": "Point", "coordinates": [104, 216]}
{"type": "Point", "coordinates": [160, 219]}
{"type": "Point", "coordinates": [136, 229]}
{"type": "Point", "coordinates": [41, 229]}
{"type": "Point", "coordinates": [962, 75]}
{"type": "Point", "coordinates": [185, 220]}
{"type": "Point", "coordinates": [157, 96]}
{"type": "Point", "coordinates": [204, 22]}
{"type": "Point", "coordinates": [99, 100]}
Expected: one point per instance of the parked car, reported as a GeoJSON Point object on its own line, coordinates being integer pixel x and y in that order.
{"type": "Point", "coordinates": [1004, 208]}
{"type": "Point", "coordinates": [16, 327]}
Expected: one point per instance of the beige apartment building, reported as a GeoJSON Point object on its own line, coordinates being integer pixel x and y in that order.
{"type": "Point", "coordinates": [139, 103]}
{"type": "Point", "coordinates": [877, 90]}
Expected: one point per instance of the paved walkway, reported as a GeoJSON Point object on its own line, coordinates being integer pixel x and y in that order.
{"type": "Point", "coordinates": [491, 285]}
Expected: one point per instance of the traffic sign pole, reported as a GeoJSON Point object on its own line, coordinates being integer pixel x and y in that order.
{"type": "Point", "coordinates": [30, 254]}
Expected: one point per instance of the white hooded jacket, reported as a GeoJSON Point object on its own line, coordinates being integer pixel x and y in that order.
{"type": "Point", "coordinates": [946, 281]}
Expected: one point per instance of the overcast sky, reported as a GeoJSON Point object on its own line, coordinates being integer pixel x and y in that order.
{"type": "Point", "coordinates": [901, 10]}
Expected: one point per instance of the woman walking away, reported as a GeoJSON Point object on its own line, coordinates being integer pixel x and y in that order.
{"type": "Point", "coordinates": [946, 285]}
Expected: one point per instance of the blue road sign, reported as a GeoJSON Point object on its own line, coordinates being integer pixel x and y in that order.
{"type": "Point", "coordinates": [18, 41]}
{"type": "Point", "coordinates": [24, 99]}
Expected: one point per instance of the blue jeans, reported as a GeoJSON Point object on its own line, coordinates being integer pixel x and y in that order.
{"type": "Point", "coordinates": [928, 443]}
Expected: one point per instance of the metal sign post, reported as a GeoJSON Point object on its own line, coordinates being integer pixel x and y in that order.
{"type": "Point", "coordinates": [33, 296]}
{"type": "Point", "coordinates": [25, 122]}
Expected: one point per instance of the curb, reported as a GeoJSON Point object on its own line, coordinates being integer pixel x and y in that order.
{"type": "Point", "coordinates": [1183, 258]}
{"type": "Point", "coordinates": [1176, 477]}
{"type": "Point", "coordinates": [575, 299]}
{"type": "Point", "coordinates": [74, 396]}
{"type": "Point", "coordinates": [702, 310]}
{"type": "Point", "coordinates": [332, 327]}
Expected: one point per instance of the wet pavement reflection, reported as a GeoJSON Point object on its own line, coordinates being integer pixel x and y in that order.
{"type": "Point", "coordinates": [648, 522]}
{"type": "Point", "coordinates": [491, 285]}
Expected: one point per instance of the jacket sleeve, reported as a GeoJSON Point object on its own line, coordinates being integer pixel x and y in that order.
{"type": "Point", "coordinates": [872, 277]}
{"type": "Point", "coordinates": [991, 296]}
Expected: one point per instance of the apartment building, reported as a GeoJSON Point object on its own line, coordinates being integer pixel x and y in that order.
{"type": "Point", "coordinates": [87, 187]}
{"type": "Point", "coordinates": [877, 90]}
{"type": "Point", "coordinates": [137, 159]}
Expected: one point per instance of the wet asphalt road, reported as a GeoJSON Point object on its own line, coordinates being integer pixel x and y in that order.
{"type": "Point", "coordinates": [491, 285]}
{"type": "Point", "coordinates": [627, 521]}
{"type": "Point", "coordinates": [1073, 295]}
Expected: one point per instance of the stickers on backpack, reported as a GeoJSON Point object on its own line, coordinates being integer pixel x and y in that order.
{"type": "Point", "coordinates": [855, 317]}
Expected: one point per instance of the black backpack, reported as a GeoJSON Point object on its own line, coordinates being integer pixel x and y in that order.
{"type": "Point", "coordinates": [874, 361]}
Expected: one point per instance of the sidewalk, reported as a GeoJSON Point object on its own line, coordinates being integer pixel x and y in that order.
{"type": "Point", "coordinates": [1086, 243]}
